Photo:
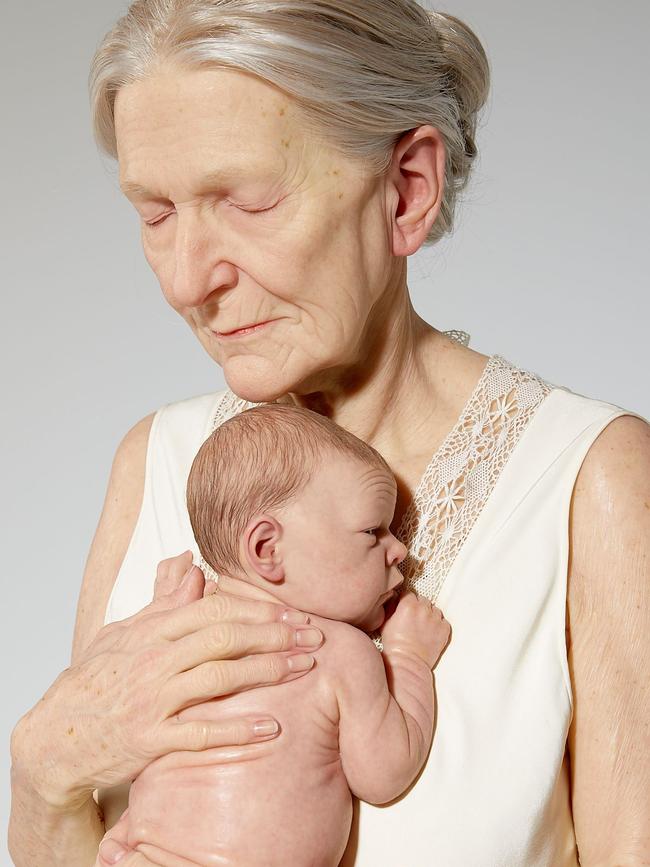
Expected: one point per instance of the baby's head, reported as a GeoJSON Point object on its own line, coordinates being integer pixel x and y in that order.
{"type": "Point", "coordinates": [289, 501]}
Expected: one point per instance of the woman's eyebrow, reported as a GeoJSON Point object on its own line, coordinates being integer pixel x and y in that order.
{"type": "Point", "coordinates": [208, 182]}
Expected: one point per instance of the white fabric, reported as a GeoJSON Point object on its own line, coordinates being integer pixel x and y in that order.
{"type": "Point", "coordinates": [495, 789]}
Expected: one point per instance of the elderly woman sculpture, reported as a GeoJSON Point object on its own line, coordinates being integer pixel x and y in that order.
{"type": "Point", "coordinates": [285, 158]}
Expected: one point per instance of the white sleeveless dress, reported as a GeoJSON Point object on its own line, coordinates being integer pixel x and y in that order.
{"type": "Point", "coordinates": [488, 541]}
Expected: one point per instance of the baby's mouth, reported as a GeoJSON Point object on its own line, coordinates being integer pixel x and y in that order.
{"type": "Point", "coordinates": [390, 604]}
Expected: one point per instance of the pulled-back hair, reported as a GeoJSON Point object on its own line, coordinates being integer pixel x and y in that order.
{"type": "Point", "coordinates": [258, 461]}
{"type": "Point", "coordinates": [362, 72]}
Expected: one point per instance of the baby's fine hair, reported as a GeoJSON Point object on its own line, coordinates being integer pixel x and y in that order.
{"type": "Point", "coordinates": [257, 461]}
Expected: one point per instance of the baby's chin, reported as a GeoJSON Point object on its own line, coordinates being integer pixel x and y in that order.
{"type": "Point", "coordinates": [375, 620]}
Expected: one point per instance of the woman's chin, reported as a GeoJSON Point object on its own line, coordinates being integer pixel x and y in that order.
{"type": "Point", "coordinates": [247, 388]}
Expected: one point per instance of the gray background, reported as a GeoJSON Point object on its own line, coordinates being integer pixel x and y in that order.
{"type": "Point", "coordinates": [547, 267]}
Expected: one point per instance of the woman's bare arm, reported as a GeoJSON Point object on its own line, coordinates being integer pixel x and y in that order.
{"type": "Point", "coordinates": [116, 524]}
{"type": "Point", "coordinates": [609, 652]}
{"type": "Point", "coordinates": [77, 739]}
{"type": "Point", "coordinates": [41, 833]}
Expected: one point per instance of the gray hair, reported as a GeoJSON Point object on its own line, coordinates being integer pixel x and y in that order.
{"type": "Point", "coordinates": [362, 72]}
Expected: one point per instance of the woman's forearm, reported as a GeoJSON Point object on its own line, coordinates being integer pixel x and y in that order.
{"type": "Point", "coordinates": [41, 835]}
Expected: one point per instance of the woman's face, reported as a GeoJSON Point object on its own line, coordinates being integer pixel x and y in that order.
{"type": "Point", "coordinates": [246, 221]}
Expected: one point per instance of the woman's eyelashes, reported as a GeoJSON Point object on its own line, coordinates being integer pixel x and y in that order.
{"type": "Point", "coordinates": [157, 223]}
{"type": "Point", "coordinates": [231, 204]}
{"type": "Point", "coordinates": [252, 210]}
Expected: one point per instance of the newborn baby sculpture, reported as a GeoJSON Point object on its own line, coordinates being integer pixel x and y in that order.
{"type": "Point", "coordinates": [288, 506]}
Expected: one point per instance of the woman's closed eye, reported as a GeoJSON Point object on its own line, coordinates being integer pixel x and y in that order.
{"type": "Point", "coordinates": [158, 222]}
{"type": "Point", "coordinates": [252, 210]}
{"type": "Point", "coordinates": [231, 204]}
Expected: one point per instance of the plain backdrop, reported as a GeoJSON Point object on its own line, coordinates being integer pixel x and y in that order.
{"type": "Point", "coordinates": [547, 267]}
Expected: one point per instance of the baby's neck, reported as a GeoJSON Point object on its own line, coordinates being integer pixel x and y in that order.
{"type": "Point", "coordinates": [239, 587]}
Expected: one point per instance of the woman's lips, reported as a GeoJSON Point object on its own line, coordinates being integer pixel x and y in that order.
{"type": "Point", "coordinates": [242, 332]}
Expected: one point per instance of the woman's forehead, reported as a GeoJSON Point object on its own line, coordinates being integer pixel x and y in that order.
{"type": "Point", "coordinates": [225, 92]}
{"type": "Point", "coordinates": [223, 113]}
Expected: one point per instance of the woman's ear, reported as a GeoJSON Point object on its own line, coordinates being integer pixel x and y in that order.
{"type": "Point", "coordinates": [261, 540]}
{"type": "Point", "coordinates": [416, 187]}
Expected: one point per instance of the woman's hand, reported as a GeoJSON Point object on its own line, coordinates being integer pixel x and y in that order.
{"type": "Point", "coordinates": [107, 717]}
{"type": "Point", "coordinates": [115, 849]}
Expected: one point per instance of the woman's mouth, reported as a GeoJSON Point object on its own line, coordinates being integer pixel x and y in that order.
{"type": "Point", "coordinates": [244, 331]}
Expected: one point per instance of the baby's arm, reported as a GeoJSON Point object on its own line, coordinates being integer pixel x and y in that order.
{"type": "Point", "coordinates": [386, 700]}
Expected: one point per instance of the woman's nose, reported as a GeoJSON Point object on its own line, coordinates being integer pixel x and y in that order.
{"type": "Point", "coordinates": [200, 267]}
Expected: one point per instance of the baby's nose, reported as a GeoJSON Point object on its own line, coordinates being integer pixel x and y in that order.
{"type": "Point", "coordinates": [397, 551]}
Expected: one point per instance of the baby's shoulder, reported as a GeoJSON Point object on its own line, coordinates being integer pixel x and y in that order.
{"type": "Point", "coordinates": [346, 649]}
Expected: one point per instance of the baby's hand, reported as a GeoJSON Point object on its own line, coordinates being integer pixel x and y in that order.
{"type": "Point", "coordinates": [418, 628]}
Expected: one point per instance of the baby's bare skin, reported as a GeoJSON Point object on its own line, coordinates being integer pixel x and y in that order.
{"type": "Point", "coordinates": [288, 800]}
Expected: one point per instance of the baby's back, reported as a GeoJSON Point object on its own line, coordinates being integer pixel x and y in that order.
{"type": "Point", "coordinates": [279, 802]}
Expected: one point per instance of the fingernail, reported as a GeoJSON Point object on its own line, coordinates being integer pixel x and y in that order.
{"type": "Point", "coordinates": [111, 851]}
{"type": "Point", "coordinates": [296, 617]}
{"type": "Point", "coordinates": [265, 727]}
{"type": "Point", "coordinates": [301, 662]}
{"type": "Point", "coordinates": [311, 637]}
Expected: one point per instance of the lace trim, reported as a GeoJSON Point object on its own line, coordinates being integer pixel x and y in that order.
{"type": "Point", "coordinates": [461, 474]}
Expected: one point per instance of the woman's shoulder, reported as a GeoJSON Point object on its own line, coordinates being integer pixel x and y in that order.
{"type": "Point", "coordinates": [566, 404]}
{"type": "Point", "coordinates": [189, 421]}
{"type": "Point", "coordinates": [193, 410]}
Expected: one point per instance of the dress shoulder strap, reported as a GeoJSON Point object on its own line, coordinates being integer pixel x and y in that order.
{"type": "Point", "coordinates": [162, 527]}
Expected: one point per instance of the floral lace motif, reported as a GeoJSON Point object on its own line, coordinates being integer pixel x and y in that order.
{"type": "Point", "coordinates": [461, 474]}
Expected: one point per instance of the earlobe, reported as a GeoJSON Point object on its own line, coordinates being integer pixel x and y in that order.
{"type": "Point", "coordinates": [261, 542]}
{"type": "Point", "coordinates": [418, 177]}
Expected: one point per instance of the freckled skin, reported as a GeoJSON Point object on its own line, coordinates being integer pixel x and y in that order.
{"type": "Point", "coordinates": [287, 801]}
{"type": "Point", "coordinates": [327, 262]}
{"type": "Point", "coordinates": [317, 263]}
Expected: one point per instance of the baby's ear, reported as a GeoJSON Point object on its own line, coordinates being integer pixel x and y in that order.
{"type": "Point", "coordinates": [262, 540]}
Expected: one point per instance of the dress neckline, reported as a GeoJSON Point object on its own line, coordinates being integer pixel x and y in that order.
{"type": "Point", "coordinates": [444, 445]}
{"type": "Point", "coordinates": [462, 471]}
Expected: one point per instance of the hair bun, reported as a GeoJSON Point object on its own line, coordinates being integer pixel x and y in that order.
{"type": "Point", "coordinates": [468, 71]}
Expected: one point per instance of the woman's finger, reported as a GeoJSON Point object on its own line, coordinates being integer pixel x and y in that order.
{"type": "Point", "coordinates": [222, 608]}
{"type": "Point", "coordinates": [234, 640]}
{"type": "Point", "coordinates": [158, 857]}
{"type": "Point", "coordinates": [212, 679]}
{"type": "Point", "coordinates": [201, 734]}
{"type": "Point", "coordinates": [135, 859]}
{"type": "Point", "coordinates": [170, 573]}
{"type": "Point", "coordinates": [115, 843]}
